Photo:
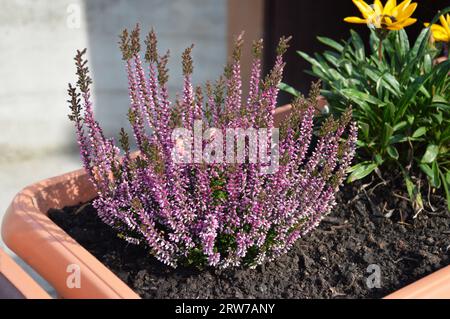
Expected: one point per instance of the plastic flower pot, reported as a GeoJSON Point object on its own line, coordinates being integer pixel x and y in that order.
{"type": "Point", "coordinates": [15, 283]}
{"type": "Point", "coordinates": [51, 252]}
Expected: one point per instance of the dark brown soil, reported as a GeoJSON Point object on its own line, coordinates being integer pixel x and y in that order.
{"type": "Point", "coordinates": [368, 226]}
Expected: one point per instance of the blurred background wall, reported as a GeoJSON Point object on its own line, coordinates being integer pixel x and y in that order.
{"type": "Point", "coordinates": [38, 42]}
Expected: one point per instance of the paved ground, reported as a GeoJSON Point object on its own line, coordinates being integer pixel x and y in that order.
{"type": "Point", "coordinates": [15, 175]}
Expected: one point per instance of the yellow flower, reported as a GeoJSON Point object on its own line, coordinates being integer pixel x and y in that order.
{"type": "Point", "coordinates": [441, 33]}
{"type": "Point", "coordinates": [389, 17]}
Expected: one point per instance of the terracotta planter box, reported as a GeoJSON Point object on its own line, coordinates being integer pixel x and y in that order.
{"type": "Point", "coordinates": [50, 251]}
{"type": "Point", "coordinates": [15, 283]}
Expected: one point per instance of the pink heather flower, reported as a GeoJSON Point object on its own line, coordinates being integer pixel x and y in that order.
{"type": "Point", "coordinates": [211, 214]}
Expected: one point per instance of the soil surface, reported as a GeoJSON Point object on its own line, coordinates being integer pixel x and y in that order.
{"type": "Point", "coordinates": [372, 224]}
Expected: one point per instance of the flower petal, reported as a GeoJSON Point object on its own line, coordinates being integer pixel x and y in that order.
{"type": "Point", "coordinates": [444, 24]}
{"type": "Point", "coordinates": [398, 9]}
{"type": "Point", "coordinates": [378, 7]}
{"type": "Point", "coordinates": [441, 37]}
{"type": "Point", "coordinates": [408, 22]}
{"type": "Point", "coordinates": [440, 34]}
{"type": "Point", "coordinates": [391, 4]}
{"type": "Point", "coordinates": [365, 9]}
{"type": "Point", "coordinates": [408, 11]}
{"type": "Point", "coordinates": [355, 20]}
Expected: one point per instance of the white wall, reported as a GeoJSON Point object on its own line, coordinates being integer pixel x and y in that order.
{"type": "Point", "coordinates": [38, 39]}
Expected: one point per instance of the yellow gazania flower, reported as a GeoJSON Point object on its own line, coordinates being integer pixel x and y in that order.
{"type": "Point", "coordinates": [441, 33]}
{"type": "Point", "coordinates": [389, 17]}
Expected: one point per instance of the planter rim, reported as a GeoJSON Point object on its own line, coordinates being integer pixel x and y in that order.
{"type": "Point", "coordinates": [18, 278]}
{"type": "Point", "coordinates": [27, 226]}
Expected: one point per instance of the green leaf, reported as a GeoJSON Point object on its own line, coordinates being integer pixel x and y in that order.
{"type": "Point", "coordinates": [439, 99]}
{"type": "Point", "coordinates": [378, 159]}
{"type": "Point", "coordinates": [420, 45]}
{"type": "Point", "coordinates": [400, 125]}
{"type": "Point", "coordinates": [427, 170]}
{"type": "Point", "coordinates": [430, 154]}
{"type": "Point", "coordinates": [387, 134]}
{"type": "Point", "coordinates": [356, 95]}
{"type": "Point", "coordinates": [403, 42]}
{"type": "Point", "coordinates": [331, 58]}
{"type": "Point", "coordinates": [436, 179]}
{"type": "Point", "coordinates": [419, 132]}
{"type": "Point", "coordinates": [427, 63]}
{"type": "Point", "coordinates": [313, 62]}
{"type": "Point", "coordinates": [361, 170]}
{"type": "Point", "coordinates": [392, 84]}
{"type": "Point", "coordinates": [431, 173]}
{"type": "Point", "coordinates": [392, 151]}
{"type": "Point", "coordinates": [365, 128]}
{"type": "Point", "coordinates": [348, 68]}
{"type": "Point", "coordinates": [331, 43]}
{"type": "Point", "coordinates": [397, 138]}
{"type": "Point", "coordinates": [410, 94]}
{"type": "Point", "coordinates": [413, 191]}
{"type": "Point", "coordinates": [358, 44]}
{"type": "Point", "coordinates": [289, 89]}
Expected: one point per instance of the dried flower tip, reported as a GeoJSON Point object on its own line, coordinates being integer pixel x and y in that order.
{"type": "Point", "coordinates": [188, 65]}
{"type": "Point", "coordinates": [199, 95]}
{"type": "Point", "coordinates": [329, 126]}
{"type": "Point", "coordinates": [163, 71]}
{"type": "Point", "coordinates": [257, 48]}
{"type": "Point", "coordinates": [75, 105]}
{"type": "Point", "coordinates": [135, 40]}
{"type": "Point", "coordinates": [82, 71]}
{"type": "Point", "coordinates": [124, 140]}
{"type": "Point", "coordinates": [237, 50]}
{"type": "Point", "coordinates": [346, 117]}
{"type": "Point", "coordinates": [151, 52]}
{"type": "Point", "coordinates": [124, 45]}
{"type": "Point", "coordinates": [283, 45]}
{"type": "Point", "coordinates": [219, 91]}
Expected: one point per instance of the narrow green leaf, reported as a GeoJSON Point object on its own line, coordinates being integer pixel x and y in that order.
{"type": "Point", "coordinates": [331, 43]}
{"type": "Point", "coordinates": [436, 179]}
{"type": "Point", "coordinates": [387, 134]}
{"type": "Point", "coordinates": [356, 95]}
{"type": "Point", "coordinates": [400, 125]}
{"type": "Point", "coordinates": [358, 44]}
{"type": "Point", "coordinates": [289, 89]}
{"type": "Point", "coordinates": [413, 192]}
{"type": "Point", "coordinates": [361, 171]}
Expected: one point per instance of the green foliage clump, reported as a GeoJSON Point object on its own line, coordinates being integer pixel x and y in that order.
{"type": "Point", "coordinates": [401, 101]}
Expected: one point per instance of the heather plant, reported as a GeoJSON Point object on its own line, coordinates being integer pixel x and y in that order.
{"type": "Point", "coordinates": [399, 93]}
{"type": "Point", "coordinates": [209, 213]}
